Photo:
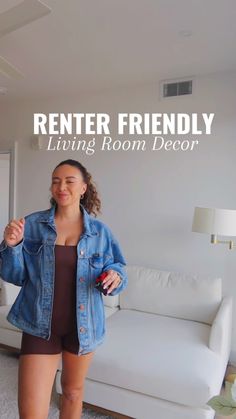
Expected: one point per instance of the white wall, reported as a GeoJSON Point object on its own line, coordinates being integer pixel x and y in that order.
{"type": "Point", "coordinates": [148, 197]}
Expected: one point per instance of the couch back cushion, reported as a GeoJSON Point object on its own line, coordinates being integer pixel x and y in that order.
{"type": "Point", "coordinates": [174, 294]}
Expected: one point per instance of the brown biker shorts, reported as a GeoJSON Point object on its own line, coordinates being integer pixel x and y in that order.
{"type": "Point", "coordinates": [63, 326]}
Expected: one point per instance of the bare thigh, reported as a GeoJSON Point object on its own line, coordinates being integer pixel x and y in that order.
{"type": "Point", "coordinates": [36, 376]}
{"type": "Point", "coordinates": [74, 371]}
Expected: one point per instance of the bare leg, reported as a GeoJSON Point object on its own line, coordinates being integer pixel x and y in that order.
{"type": "Point", "coordinates": [36, 376]}
{"type": "Point", "coordinates": [74, 370]}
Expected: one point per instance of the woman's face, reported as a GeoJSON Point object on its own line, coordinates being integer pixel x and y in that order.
{"type": "Point", "coordinates": [67, 185]}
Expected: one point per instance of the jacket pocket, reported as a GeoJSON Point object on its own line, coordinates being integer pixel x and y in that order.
{"type": "Point", "coordinates": [97, 260]}
{"type": "Point", "coordinates": [32, 247]}
{"type": "Point", "coordinates": [33, 256]}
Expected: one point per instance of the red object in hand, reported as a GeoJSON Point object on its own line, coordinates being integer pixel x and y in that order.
{"type": "Point", "coordinates": [101, 277]}
{"type": "Point", "coordinates": [98, 283]}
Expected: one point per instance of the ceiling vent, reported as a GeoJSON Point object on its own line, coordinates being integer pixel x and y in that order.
{"type": "Point", "coordinates": [177, 88]}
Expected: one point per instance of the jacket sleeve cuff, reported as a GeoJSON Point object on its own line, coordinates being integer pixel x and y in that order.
{"type": "Point", "coordinates": [122, 285]}
{"type": "Point", "coordinates": [12, 249]}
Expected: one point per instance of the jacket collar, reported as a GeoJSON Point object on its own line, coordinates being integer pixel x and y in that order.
{"type": "Point", "coordinates": [89, 227]}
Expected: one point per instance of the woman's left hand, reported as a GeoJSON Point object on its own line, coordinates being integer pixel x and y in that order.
{"type": "Point", "coordinates": [113, 279]}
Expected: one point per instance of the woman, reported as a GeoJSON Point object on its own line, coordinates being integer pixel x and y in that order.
{"type": "Point", "coordinates": [56, 255]}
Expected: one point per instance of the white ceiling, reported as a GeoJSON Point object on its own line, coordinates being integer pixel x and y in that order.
{"type": "Point", "coordinates": [91, 45]}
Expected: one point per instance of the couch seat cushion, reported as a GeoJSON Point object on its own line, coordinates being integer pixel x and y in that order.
{"type": "Point", "coordinates": [159, 356]}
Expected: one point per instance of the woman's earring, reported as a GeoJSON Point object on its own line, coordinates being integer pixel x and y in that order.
{"type": "Point", "coordinates": [82, 197]}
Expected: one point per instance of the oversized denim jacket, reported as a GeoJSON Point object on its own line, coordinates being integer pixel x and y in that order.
{"type": "Point", "coordinates": [31, 265]}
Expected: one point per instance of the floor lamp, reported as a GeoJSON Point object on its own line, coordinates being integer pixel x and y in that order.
{"type": "Point", "coordinates": [215, 221]}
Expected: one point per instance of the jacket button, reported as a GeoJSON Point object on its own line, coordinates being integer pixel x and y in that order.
{"type": "Point", "coordinates": [81, 307]}
{"type": "Point", "coordinates": [81, 329]}
{"type": "Point", "coordinates": [81, 252]}
{"type": "Point", "coordinates": [81, 279]}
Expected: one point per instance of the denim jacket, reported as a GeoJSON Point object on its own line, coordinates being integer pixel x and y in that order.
{"type": "Point", "coordinates": [31, 265]}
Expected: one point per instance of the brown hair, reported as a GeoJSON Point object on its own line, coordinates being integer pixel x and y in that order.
{"type": "Point", "coordinates": [90, 200]}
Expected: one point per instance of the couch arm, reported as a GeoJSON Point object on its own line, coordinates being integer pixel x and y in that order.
{"type": "Point", "coordinates": [9, 293]}
{"type": "Point", "coordinates": [221, 329]}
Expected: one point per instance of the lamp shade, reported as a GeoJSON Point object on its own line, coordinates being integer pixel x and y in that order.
{"type": "Point", "coordinates": [214, 221]}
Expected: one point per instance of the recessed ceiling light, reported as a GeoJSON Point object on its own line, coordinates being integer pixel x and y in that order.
{"type": "Point", "coordinates": [185, 33]}
{"type": "Point", "coordinates": [3, 90]}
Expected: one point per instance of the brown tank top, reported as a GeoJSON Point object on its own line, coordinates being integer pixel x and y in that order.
{"type": "Point", "coordinates": [64, 300]}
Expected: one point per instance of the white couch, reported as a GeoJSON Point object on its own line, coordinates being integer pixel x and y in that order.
{"type": "Point", "coordinates": [10, 336]}
{"type": "Point", "coordinates": [166, 348]}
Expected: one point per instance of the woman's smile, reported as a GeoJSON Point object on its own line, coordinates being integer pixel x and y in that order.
{"type": "Point", "coordinates": [63, 195]}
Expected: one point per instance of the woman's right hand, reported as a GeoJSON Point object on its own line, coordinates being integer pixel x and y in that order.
{"type": "Point", "coordinates": [14, 232]}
